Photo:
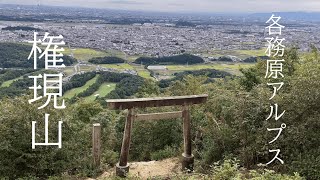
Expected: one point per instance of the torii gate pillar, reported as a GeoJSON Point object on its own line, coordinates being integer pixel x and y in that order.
{"type": "Point", "coordinates": [122, 168]}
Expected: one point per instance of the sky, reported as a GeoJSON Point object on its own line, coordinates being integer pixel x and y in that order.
{"type": "Point", "coordinates": [206, 6]}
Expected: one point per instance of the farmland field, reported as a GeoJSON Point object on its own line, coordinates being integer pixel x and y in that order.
{"type": "Point", "coordinates": [143, 73]}
{"type": "Point", "coordinates": [84, 54]}
{"type": "Point", "coordinates": [232, 68]}
{"type": "Point", "coordinates": [122, 66]}
{"type": "Point", "coordinates": [260, 52]}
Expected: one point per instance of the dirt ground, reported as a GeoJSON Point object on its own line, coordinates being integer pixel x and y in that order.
{"type": "Point", "coordinates": [144, 170]}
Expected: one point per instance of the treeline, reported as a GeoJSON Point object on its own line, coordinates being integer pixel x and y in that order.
{"type": "Point", "coordinates": [128, 21]}
{"type": "Point", "coordinates": [223, 58]}
{"type": "Point", "coordinates": [17, 88]}
{"type": "Point", "coordinates": [182, 23]}
{"type": "Point", "coordinates": [126, 87]}
{"type": "Point", "coordinates": [178, 59]}
{"type": "Point", "coordinates": [106, 60]}
{"type": "Point", "coordinates": [8, 74]}
{"type": "Point", "coordinates": [21, 86]}
{"type": "Point", "coordinates": [210, 73]}
{"type": "Point", "coordinates": [13, 55]}
{"type": "Point", "coordinates": [78, 80]}
{"type": "Point", "coordinates": [255, 59]}
{"type": "Point", "coordinates": [25, 19]}
{"type": "Point", "coordinates": [23, 28]}
{"type": "Point", "coordinates": [246, 60]}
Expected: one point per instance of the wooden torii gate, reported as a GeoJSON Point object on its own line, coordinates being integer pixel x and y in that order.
{"type": "Point", "coordinates": [122, 168]}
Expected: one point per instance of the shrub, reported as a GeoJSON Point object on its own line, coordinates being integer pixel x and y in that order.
{"type": "Point", "coordinates": [164, 153]}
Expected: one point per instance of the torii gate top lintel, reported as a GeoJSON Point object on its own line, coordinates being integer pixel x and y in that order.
{"type": "Point", "coordinates": [156, 102]}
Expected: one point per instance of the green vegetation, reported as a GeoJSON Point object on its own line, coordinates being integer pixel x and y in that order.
{"type": "Point", "coordinates": [144, 73]}
{"type": "Point", "coordinates": [103, 91]}
{"type": "Point", "coordinates": [87, 68]}
{"type": "Point", "coordinates": [78, 80]}
{"type": "Point", "coordinates": [106, 60]}
{"type": "Point", "coordinates": [259, 52]}
{"type": "Point", "coordinates": [127, 85]}
{"type": "Point", "coordinates": [210, 73]}
{"type": "Point", "coordinates": [132, 58]}
{"type": "Point", "coordinates": [9, 82]}
{"type": "Point", "coordinates": [219, 66]}
{"type": "Point", "coordinates": [74, 91]}
{"type": "Point", "coordinates": [84, 54]}
{"type": "Point", "coordinates": [8, 76]}
{"type": "Point", "coordinates": [232, 68]}
{"type": "Point", "coordinates": [230, 125]}
{"type": "Point", "coordinates": [243, 54]}
{"type": "Point", "coordinates": [69, 70]}
{"type": "Point", "coordinates": [122, 66]}
{"type": "Point", "coordinates": [226, 170]}
{"type": "Point", "coordinates": [13, 55]}
{"type": "Point", "coordinates": [18, 86]}
{"type": "Point", "coordinates": [178, 59]}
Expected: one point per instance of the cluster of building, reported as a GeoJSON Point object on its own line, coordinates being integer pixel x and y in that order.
{"type": "Point", "coordinates": [161, 39]}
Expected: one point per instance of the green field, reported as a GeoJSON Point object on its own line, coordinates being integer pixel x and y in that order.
{"type": "Point", "coordinates": [71, 93]}
{"type": "Point", "coordinates": [68, 70]}
{"type": "Point", "coordinates": [103, 90]}
{"type": "Point", "coordinates": [84, 54]}
{"type": "Point", "coordinates": [143, 73]}
{"type": "Point", "coordinates": [9, 82]}
{"type": "Point", "coordinates": [260, 52]}
{"type": "Point", "coordinates": [129, 58]}
{"type": "Point", "coordinates": [115, 53]}
{"type": "Point", "coordinates": [132, 58]}
{"type": "Point", "coordinates": [232, 68]}
{"type": "Point", "coordinates": [122, 66]}
{"type": "Point", "coordinates": [87, 68]}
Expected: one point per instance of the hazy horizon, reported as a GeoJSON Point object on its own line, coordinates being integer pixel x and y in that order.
{"type": "Point", "coordinates": [185, 6]}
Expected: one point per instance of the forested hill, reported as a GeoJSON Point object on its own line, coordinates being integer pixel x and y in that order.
{"type": "Point", "coordinates": [13, 55]}
{"type": "Point", "coordinates": [178, 59]}
{"type": "Point", "coordinates": [210, 73]}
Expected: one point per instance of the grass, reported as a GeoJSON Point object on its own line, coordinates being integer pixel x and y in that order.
{"type": "Point", "coordinates": [144, 73]}
{"type": "Point", "coordinates": [71, 93]}
{"type": "Point", "coordinates": [115, 53]}
{"type": "Point", "coordinates": [232, 68]}
{"type": "Point", "coordinates": [132, 58]}
{"type": "Point", "coordinates": [87, 68]}
{"type": "Point", "coordinates": [84, 54]}
{"type": "Point", "coordinates": [259, 52]}
{"type": "Point", "coordinates": [9, 82]}
{"type": "Point", "coordinates": [218, 66]}
{"type": "Point", "coordinates": [68, 71]}
{"type": "Point", "coordinates": [122, 66]}
{"type": "Point", "coordinates": [103, 90]}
